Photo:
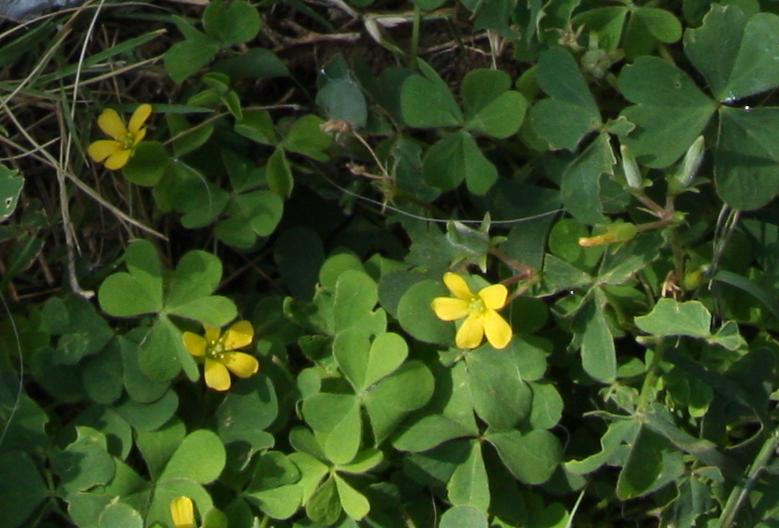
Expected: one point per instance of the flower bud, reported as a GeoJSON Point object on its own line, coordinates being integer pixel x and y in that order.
{"type": "Point", "coordinates": [630, 168]}
{"type": "Point", "coordinates": [692, 162]}
{"type": "Point", "coordinates": [615, 233]}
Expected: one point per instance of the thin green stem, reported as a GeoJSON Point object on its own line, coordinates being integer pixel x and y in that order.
{"type": "Point", "coordinates": [742, 488]}
{"type": "Point", "coordinates": [415, 36]}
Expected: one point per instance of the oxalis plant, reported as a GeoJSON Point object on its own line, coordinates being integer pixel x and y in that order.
{"type": "Point", "coordinates": [439, 263]}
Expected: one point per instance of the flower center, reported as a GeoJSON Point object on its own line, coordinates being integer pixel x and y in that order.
{"type": "Point", "coordinates": [127, 141]}
{"type": "Point", "coordinates": [476, 305]}
{"type": "Point", "coordinates": [215, 349]}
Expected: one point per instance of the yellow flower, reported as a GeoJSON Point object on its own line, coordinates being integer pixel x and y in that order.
{"type": "Point", "coordinates": [479, 311]}
{"type": "Point", "coordinates": [115, 153]}
{"type": "Point", "coordinates": [218, 352]}
{"type": "Point", "coordinates": [182, 512]}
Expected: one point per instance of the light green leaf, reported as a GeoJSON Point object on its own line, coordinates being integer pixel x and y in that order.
{"type": "Point", "coordinates": [200, 457]}
{"type": "Point", "coordinates": [356, 294]}
{"type": "Point", "coordinates": [306, 137]}
{"type": "Point", "coordinates": [140, 290]}
{"type": "Point", "coordinates": [353, 502]}
{"type": "Point", "coordinates": [120, 515]}
{"type": "Point", "coordinates": [463, 517]}
{"type": "Point", "coordinates": [671, 318]}
{"type": "Point", "coordinates": [324, 506]}
{"type": "Point", "coordinates": [186, 57]}
{"type": "Point", "coordinates": [365, 363]}
{"type": "Point", "coordinates": [83, 463]}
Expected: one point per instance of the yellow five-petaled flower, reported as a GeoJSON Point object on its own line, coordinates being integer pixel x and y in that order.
{"type": "Point", "coordinates": [219, 353]}
{"type": "Point", "coordinates": [182, 512]}
{"type": "Point", "coordinates": [479, 311]}
{"type": "Point", "coordinates": [115, 153]}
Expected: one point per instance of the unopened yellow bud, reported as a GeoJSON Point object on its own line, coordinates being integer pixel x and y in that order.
{"type": "Point", "coordinates": [619, 232]}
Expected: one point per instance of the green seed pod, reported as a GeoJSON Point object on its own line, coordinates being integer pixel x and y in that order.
{"type": "Point", "coordinates": [692, 162]}
{"type": "Point", "coordinates": [630, 168]}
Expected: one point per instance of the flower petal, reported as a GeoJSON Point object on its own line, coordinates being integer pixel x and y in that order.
{"type": "Point", "coordinates": [182, 512]}
{"type": "Point", "coordinates": [212, 333]}
{"type": "Point", "coordinates": [101, 149]}
{"type": "Point", "coordinates": [241, 364]}
{"type": "Point", "coordinates": [138, 136]}
{"type": "Point", "coordinates": [457, 286]}
{"type": "Point", "coordinates": [195, 344]}
{"type": "Point", "coordinates": [239, 335]}
{"type": "Point", "coordinates": [494, 296]}
{"type": "Point", "coordinates": [497, 329]}
{"type": "Point", "coordinates": [139, 117]}
{"type": "Point", "coordinates": [118, 159]}
{"type": "Point", "coordinates": [471, 332]}
{"type": "Point", "coordinates": [217, 376]}
{"type": "Point", "coordinates": [449, 308]}
{"type": "Point", "coordinates": [111, 124]}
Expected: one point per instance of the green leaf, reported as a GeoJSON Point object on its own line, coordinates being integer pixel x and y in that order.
{"type": "Point", "coordinates": [11, 184]}
{"type": "Point", "coordinates": [353, 502]}
{"type": "Point", "coordinates": [580, 188]}
{"type": "Point", "coordinates": [427, 102]}
{"type": "Point", "coordinates": [468, 484]}
{"type": "Point", "coordinates": [136, 292]}
{"type": "Point", "coordinates": [22, 488]}
{"type": "Point", "coordinates": [337, 415]}
{"type": "Point", "coordinates": [747, 157]}
{"type": "Point", "coordinates": [671, 318]}
{"type": "Point", "coordinates": [167, 490]}
{"type": "Point", "coordinates": [83, 463]}
{"type": "Point", "coordinates": [599, 358]}
{"type": "Point", "coordinates": [735, 55]}
{"type": "Point", "coordinates": [570, 112]}
{"type": "Point", "coordinates": [643, 465]}
{"type": "Point", "coordinates": [148, 164]}
{"type": "Point", "coordinates": [249, 409]}
{"type": "Point", "coordinates": [149, 416]}
{"type": "Point", "coordinates": [339, 95]}
{"type": "Point", "coordinates": [500, 396]}
{"type": "Point", "coordinates": [273, 488]}
{"type": "Point", "coordinates": [490, 107]}
{"type": "Point", "coordinates": [363, 462]}
{"type": "Point", "coordinates": [547, 406]}
{"type": "Point", "coordinates": [324, 506]}
{"type": "Point", "coordinates": [365, 363]}
{"type": "Point", "coordinates": [186, 57]}
{"type": "Point", "coordinates": [120, 515]}
{"type": "Point", "coordinates": [279, 174]}
{"type": "Point", "coordinates": [618, 432]}
{"type": "Point", "coordinates": [463, 517]}
{"type": "Point", "coordinates": [306, 137]}
{"type": "Point", "coordinates": [102, 375]}
{"type": "Point", "coordinates": [197, 275]}
{"type": "Point", "coordinates": [416, 315]}
{"type": "Point", "coordinates": [455, 158]}
{"type": "Point", "coordinates": [531, 457]}
{"type": "Point", "coordinates": [234, 23]}
{"type": "Point", "coordinates": [257, 125]}
{"type": "Point", "coordinates": [409, 388]}
{"type": "Point", "coordinates": [159, 353]}
{"type": "Point", "coordinates": [200, 457]}
{"type": "Point", "coordinates": [356, 294]}
{"type": "Point", "coordinates": [670, 111]}
{"type": "Point", "coordinates": [214, 310]}
{"type": "Point", "coordinates": [139, 386]}
{"type": "Point", "coordinates": [158, 446]}
{"type": "Point", "coordinates": [256, 63]}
